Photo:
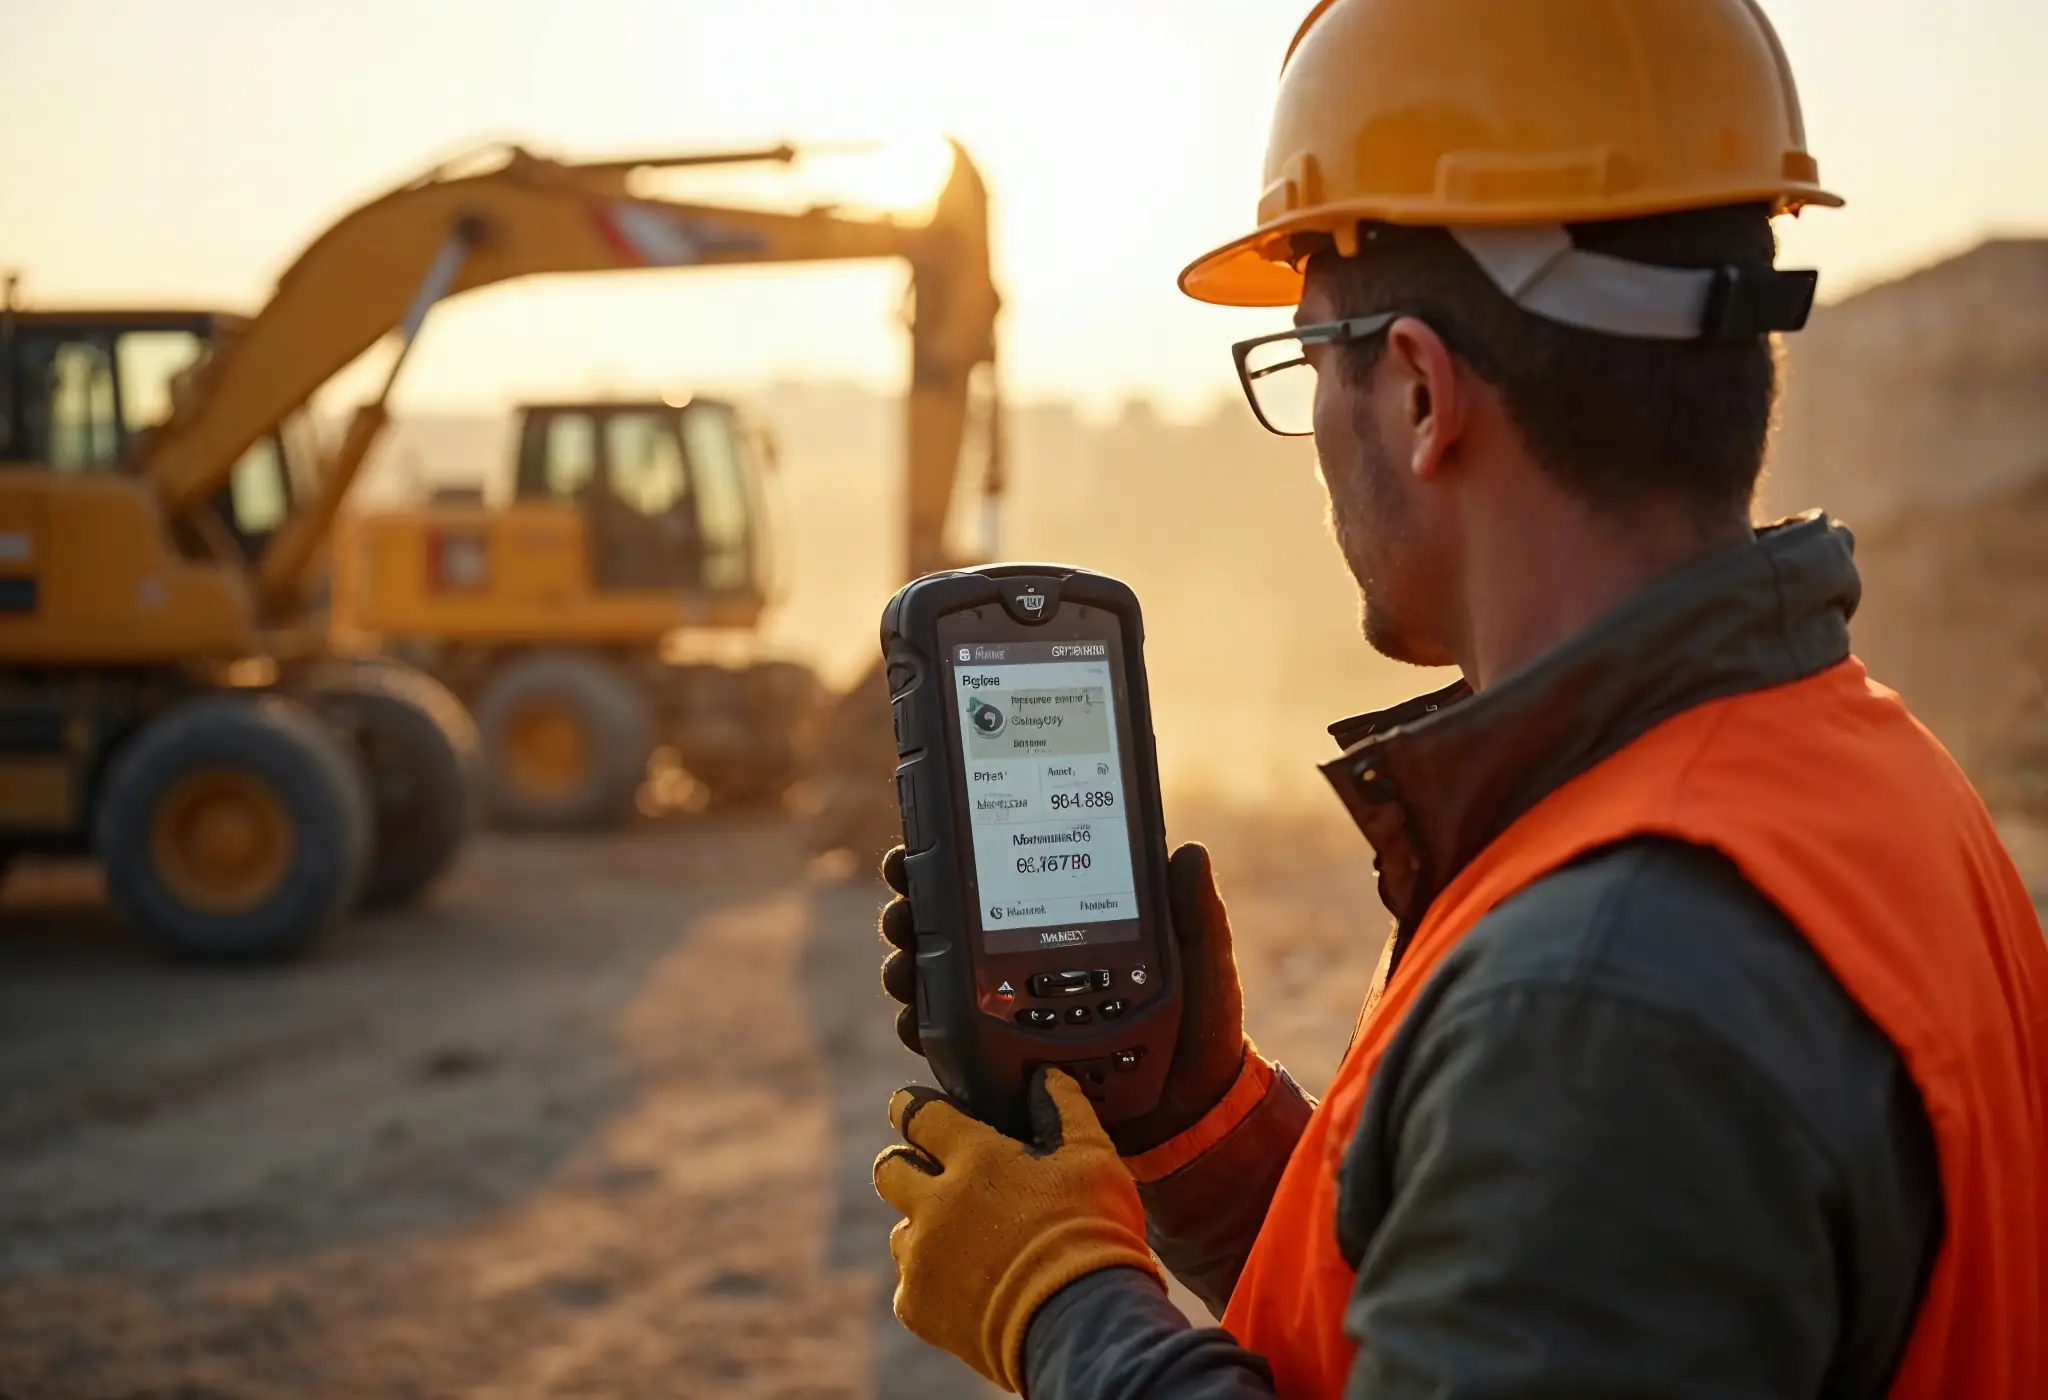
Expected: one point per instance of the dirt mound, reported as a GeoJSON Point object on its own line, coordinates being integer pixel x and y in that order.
{"type": "Point", "coordinates": [1955, 617]}
{"type": "Point", "coordinates": [1922, 393]}
{"type": "Point", "coordinates": [1916, 413]}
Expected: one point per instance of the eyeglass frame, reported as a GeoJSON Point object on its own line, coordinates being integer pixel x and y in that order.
{"type": "Point", "coordinates": [1345, 332]}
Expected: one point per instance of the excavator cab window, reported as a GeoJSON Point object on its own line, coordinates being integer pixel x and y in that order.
{"type": "Point", "coordinates": [727, 477]}
{"type": "Point", "coordinates": [569, 456]}
{"type": "Point", "coordinates": [259, 494]}
{"type": "Point", "coordinates": [644, 521]}
{"type": "Point", "coordinates": [152, 367]}
{"type": "Point", "coordinates": [80, 390]}
{"type": "Point", "coordinates": [84, 436]}
{"type": "Point", "coordinates": [668, 494]}
{"type": "Point", "coordinates": [646, 465]}
{"type": "Point", "coordinates": [66, 409]}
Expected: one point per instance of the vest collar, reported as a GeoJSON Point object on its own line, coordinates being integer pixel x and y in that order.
{"type": "Point", "coordinates": [1433, 781]}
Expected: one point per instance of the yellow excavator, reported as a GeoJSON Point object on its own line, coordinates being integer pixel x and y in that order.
{"type": "Point", "coordinates": [166, 700]}
{"type": "Point", "coordinates": [633, 524]}
{"type": "Point", "coordinates": [555, 617]}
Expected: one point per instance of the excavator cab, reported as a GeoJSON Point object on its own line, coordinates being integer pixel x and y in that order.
{"type": "Point", "coordinates": [634, 526]}
{"type": "Point", "coordinates": [80, 389]}
{"type": "Point", "coordinates": [668, 493]}
{"type": "Point", "coordinates": [629, 521]}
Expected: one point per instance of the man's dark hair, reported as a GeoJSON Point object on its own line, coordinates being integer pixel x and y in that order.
{"type": "Point", "coordinates": [1619, 422]}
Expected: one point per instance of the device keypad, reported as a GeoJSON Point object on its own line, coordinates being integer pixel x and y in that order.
{"type": "Point", "coordinates": [1076, 996]}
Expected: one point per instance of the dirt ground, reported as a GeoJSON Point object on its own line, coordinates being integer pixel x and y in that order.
{"type": "Point", "coordinates": [596, 1121]}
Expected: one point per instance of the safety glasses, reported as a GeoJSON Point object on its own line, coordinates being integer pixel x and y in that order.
{"type": "Point", "coordinates": [1279, 373]}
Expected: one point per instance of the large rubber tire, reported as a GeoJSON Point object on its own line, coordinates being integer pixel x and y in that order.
{"type": "Point", "coordinates": [268, 744]}
{"type": "Point", "coordinates": [417, 749]}
{"type": "Point", "coordinates": [612, 719]}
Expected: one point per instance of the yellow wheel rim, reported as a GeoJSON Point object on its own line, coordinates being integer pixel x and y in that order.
{"type": "Point", "coordinates": [221, 841]}
{"type": "Point", "coordinates": [546, 751]}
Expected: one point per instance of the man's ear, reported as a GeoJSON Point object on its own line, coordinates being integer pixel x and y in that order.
{"type": "Point", "coordinates": [1435, 402]}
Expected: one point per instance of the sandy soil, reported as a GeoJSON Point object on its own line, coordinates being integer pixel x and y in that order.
{"type": "Point", "coordinates": [595, 1122]}
{"type": "Point", "coordinates": [567, 1131]}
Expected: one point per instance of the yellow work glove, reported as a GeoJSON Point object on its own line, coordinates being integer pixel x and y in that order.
{"type": "Point", "coordinates": [993, 1227]}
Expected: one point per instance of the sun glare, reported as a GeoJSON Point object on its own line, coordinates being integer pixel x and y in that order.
{"type": "Point", "coordinates": [900, 173]}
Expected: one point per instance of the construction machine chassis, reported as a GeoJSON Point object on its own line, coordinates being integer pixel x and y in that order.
{"type": "Point", "coordinates": [238, 816]}
{"type": "Point", "coordinates": [567, 733]}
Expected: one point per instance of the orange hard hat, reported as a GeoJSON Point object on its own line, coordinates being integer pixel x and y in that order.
{"type": "Point", "coordinates": [1514, 112]}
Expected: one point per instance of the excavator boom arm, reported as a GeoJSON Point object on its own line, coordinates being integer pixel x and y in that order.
{"type": "Point", "coordinates": [529, 217]}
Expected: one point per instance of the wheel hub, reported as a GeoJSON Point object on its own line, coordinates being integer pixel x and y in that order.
{"type": "Point", "coordinates": [547, 752]}
{"type": "Point", "coordinates": [221, 841]}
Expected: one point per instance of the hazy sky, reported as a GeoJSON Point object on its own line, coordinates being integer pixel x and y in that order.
{"type": "Point", "coordinates": [186, 149]}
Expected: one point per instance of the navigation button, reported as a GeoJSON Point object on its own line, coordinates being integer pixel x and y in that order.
{"type": "Point", "coordinates": [1111, 1009]}
{"type": "Point", "coordinates": [1078, 1016]}
{"type": "Point", "coordinates": [1138, 976]}
{"type": "Point", "coordinates": [1060, 984]}
{"type": "Point", "coordinates": [1128, 1059]}
{"type": "Point", "coordinates": [1038, 1016]}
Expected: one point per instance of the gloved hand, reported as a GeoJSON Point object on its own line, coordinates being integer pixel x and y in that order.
{"type": "Point", "coordinates": [993, 1227]}
{"type": "Point", "coordinates": [1211, 1046]}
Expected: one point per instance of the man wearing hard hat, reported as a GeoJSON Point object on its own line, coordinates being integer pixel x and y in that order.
{"type": "Point", "coordinates": [1709, 1055]}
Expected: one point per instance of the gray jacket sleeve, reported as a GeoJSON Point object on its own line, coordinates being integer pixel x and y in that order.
{"type": "Point", "coordinates": [1116, 1336]}
{"type": "Point", "coordinates": [1632, 1139]}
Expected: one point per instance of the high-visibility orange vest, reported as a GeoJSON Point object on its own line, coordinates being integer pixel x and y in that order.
{"type": "Point", "coordinates": [1835, 804]}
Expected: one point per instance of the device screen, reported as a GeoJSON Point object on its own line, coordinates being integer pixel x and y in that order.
{"type": "Point", "coordinates": [1046, 798]}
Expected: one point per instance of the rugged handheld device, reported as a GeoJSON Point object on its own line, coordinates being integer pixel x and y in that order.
{"type": "Point", "coordinates": [1034, 844]}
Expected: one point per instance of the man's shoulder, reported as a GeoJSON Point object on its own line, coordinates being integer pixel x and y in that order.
{"type": "Point", "coordinates": [1674, 929]}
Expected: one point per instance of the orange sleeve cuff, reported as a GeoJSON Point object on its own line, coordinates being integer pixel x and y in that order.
{"type": "Point", "coordinates": [1217, 1124]}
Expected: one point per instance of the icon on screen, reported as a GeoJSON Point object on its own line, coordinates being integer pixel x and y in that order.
{"type": "Point", "coordinates": [995, 913]}
{"type": "Point", "coordinates": [965, 654]}
{"type": "Point", "coordinates": [1102, 770]}
{"type": "Point", "coordinates": [985, 717]}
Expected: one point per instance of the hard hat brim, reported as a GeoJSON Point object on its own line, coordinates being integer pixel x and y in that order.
{"type": "Point", "coordinates": [1243, 273]}
{"type": "Point", "coordinates": [1254, 271]}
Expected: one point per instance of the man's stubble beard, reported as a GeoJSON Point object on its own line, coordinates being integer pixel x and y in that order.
{"type": "Point", "coordinates": [1369, 517]}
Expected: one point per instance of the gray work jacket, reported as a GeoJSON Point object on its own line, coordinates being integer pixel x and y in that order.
{"type": "Point", "coordinates": [1632, 1138]}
